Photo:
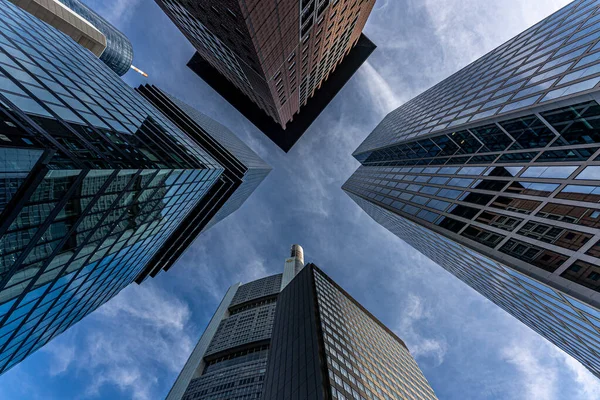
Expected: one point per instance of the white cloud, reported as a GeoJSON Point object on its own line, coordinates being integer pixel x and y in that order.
{"type": "Point", "coordinates": [587, 384]}
{"type": "Point", "coordinates": [536, 379]}
{"type": "Point", "coordinates": [117, 12]}
{"type": "Point", "coordinates": [111, 364]}
{"type": "Point", "coordinates": [434, 348]}
{"type": "Point", "coordinates": [421, 42]}
{"type": "Point", "coordinates": [136, 335]}
{"type": "Point", "coordinates": [382, 96]}
{"type": "Point", "coordinates": [200, 274]}
{"type": "Point", "coordinates": [203, 271]}
{"type": "Point", "coordinates": [145, 331]}
{"type": "Point", "coordinates": [149, 306]}
{"type": "Point", "coordinates": [466, 29]}
{"type": "Point", "coordinates": [420, 347]}
{"type": "Point", "coordinates": [63, 354]}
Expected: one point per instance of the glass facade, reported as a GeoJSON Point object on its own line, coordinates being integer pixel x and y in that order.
{"type": "Point", "coordinates": [94, 181]}
{"type": "Point", "coordinates": [364, 359]}
{"type": "Point", "coordinates": [554, 59]}
{"type": "Point", "coordinates": [244, 171]}
{"type": "Point", "coordinates": [503, 159]}
{"type": "Point", "coordinates": [325, 345]}
{"type": "Point", "coordinates": [118, 54]}
{"type": "Point", "coordinates": [256, 168]}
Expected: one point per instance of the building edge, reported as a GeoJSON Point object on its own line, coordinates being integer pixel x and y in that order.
{"type": "Point", "coordinates": [285, 139]}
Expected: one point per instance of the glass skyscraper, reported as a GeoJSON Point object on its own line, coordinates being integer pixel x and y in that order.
{"type": "Point", "coordinates": [64, 19]}
{"type": "Point", "coordinates": [243, 171]}
{"type": "Point", "coordinates": [86, 27]}
{"type": "Point", "coordinates": [118, 54]}
{"type": "Point", "coordinates": [494, 174]}
{"type": "Point", "coordinates": [97, 186]}
{"type": "Point", "coordinates": [298, 335]}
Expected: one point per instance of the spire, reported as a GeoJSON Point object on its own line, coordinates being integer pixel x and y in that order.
{"type": "Point", "coordinates": [293, 265]}
{"type": "Point", "coordinates": [298, 252]}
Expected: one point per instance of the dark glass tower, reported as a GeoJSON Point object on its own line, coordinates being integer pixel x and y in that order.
{"type": "Point", "coordinates": [95, 183]}
{"type": "Point", "coordinates": [243, 172]}
{"type": "Point", "coordinates": [279, 63]}
{"type": "Point", "coordinates": [300, 338]}
{"type": "Point", "coordinates": [494, 174]}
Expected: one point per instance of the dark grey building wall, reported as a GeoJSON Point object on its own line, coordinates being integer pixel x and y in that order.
{"type": "Point", "coordinates": [295, 365]}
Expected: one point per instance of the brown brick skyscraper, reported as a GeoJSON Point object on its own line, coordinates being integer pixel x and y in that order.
{"type": "Point", "coordinates": [273, 59]}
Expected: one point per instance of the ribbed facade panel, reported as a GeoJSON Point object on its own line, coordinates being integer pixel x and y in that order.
{"type": "Point", "coordinates": [259, 288]}
{"type": "Point", "coordinates": [233, 365]}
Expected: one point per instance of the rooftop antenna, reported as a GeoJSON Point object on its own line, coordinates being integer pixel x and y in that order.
{"type": "Point", "coordinates": [145, 75]}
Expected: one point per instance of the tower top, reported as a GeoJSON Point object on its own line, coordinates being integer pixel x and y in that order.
{"type": "Point", "coordinates": [298, 252]}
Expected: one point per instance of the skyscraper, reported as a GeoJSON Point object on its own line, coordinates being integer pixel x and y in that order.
{"type": "Point", "coordinates": [243, 171]}
{"type": "Point", "coordinates": [494, 174]}
{"type": "Point", "coordinates": [297, 335]}
{"type": "Point", "coordinates": [67, 21]}
{"type": "Point", "coordinates": [279, 63]}
{"type": "Point", "coordinates": [119, 51]}
{"type": "Point", "coordinates": [98, 188]}
{"type": "Point", "coordinates": [95, 33]}
{"type": "Point", "coordinates": [231, 356]}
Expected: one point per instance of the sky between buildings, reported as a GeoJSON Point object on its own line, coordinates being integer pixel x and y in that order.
{"type": "Point", "coordinates": [135, 345]}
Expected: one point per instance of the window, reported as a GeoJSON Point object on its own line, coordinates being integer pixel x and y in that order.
{"type": "Point", "coordinates": [590, 173]}
{"type": "Point", "coordinates": [492, 137]}
{"type": "Point", "coordinates": [529, 132]}
{"type": "Point", "coordinates": [578, 124]}
{"type": "Point", "coordinates": [551, 172]}
{"type": "Point", "coordinates": [575, 268]}
{"type": "Point", "coordinates": [585, 274]}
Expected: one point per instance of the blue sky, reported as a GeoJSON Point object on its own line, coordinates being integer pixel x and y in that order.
{"type": "Point", "coordinates": [135, 345]}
